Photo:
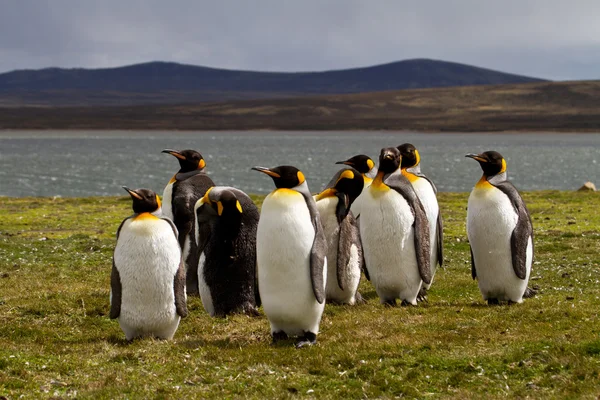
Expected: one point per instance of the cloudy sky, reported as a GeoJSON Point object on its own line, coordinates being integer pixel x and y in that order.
{"type": "Point", "coordinates": [554, 39]}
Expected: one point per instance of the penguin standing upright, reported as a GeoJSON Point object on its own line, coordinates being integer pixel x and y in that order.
{"type": "Point", "coordinates": [366, 167]}
{"type": "Point", "coordinates": [227, 265]}
{"type": "Point", "coordinates": [500, 234]}
{"type": "Point", "coordinates": [182, 192]}
{"type": "Point", "coordinates": [291, 257]}
{"type": "Point", "coordinates": [344, 254]}
{"type": "Point", "coordinates": [395, 233]}
{"type": "Point", "coordinates": [148, 277]}
{"type": "Point", "coordinates": [427, 192]}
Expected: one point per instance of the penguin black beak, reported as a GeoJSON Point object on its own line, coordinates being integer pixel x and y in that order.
{"type": "Point", "coordinates": [267, 171]}
{"type": "Point", "coordinates": [174, 153]}
{"type": "Point", "coordinates": [132, 193]}
{"type": "Point", "coordinates": [343, 162]}
{"type": "Point", "coordinates": [476, 157]}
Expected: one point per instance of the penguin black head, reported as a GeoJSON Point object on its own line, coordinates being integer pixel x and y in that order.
{"type": "Point", "coordinates": [389, 160]}
{"type": "Point", "coordinates": [189, 160]}
{"type": "Point", "coordinates": [284, 176]}
{"type": "Point", "coordinates": [491, 162]}
{"type": "Point", "coordinates": [144, 200]}
{"type": "Point", "coordinates": [410, 155]}
{"type": "Point", "coordinates": [347, 184]}
{"type": "Point", "coordinates": [222, 201]}
{"type": "Point", "coordinates": [361, 163]}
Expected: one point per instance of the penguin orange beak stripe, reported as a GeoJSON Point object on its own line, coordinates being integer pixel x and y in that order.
{"type": "Point", "coordinates": [267, 171]}
{"type": "Point", "coordinates": [344, 162]}
{"type": "Point", "coordinates": [174, 153]}
{"type": "Point", "coordinates": [132, 193]}
{"type": "Point", "coordinates": [476, 157]}
{"type": "Point", "coordinates": [326, 193]}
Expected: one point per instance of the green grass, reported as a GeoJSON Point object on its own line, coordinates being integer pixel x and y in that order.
{"type": "Point", "coordinates": [56, 339]}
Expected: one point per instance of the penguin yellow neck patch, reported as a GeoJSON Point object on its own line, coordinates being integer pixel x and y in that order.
{"type": "Point", "coordinates": [144, 216]}
{"type": "Point", "coordinates": [284, 192]}
{"type": "Point", "coordinates": [483, 184]}
{"type": "Point", "coordinates": [378, 183]}
{"type": "Point", "coordinates": [410, 176]}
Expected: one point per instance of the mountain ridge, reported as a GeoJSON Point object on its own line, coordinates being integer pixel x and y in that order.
{"type": "Point", "coordinates": [163, 82]}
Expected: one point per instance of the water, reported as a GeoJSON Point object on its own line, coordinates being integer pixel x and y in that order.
{"type": "Point", "coordinates": [98, 163]}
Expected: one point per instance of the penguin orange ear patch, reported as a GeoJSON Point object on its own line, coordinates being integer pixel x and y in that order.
{"type": "Point", "coordinates": [370, 163]}
{"type": "Point", "coordinates": [503, 166]}
{"type": "Point", "coordinates": [158, 201]}
{"type": "Point", "coordinates": [348, 174]}
{"type": "Point", "coordinates": [300, 178]}
{"type": "Point", "coordinates": [201, 164]}
{"type": "Point", "coordinates": [418, 157]}
{"type": "Point", "coordinates": [219, 208]}
{"type": "Point", "coordinates": [238, 206]}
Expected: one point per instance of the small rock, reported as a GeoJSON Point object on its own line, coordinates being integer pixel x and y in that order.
{"type": "Point", "coordinates": [587, 187]}
{"type": "Point", "coordinates": [570, 298]}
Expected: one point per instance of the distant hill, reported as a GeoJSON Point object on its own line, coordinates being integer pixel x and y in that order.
{"type": "Point", "coordinates": [172, 83]}
{"type": "Point", "coordinates": [548, 106]}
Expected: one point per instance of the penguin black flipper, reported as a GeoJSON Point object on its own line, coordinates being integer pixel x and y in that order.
{"type": "Point", "coordinates": [115, 284]}
{"type": "Point", "coordinates": [473, 271]}
{"type": "Point", "coordinates": [363, 264]}
{"type": "Point", "coordinates": [179, 290]}
{"type": "Point", "coordinates": [422, 237]}
{"type": "Point", "coordinates": [115, 292]}
{"type": "Point", "coordinates": [522, 232]}
{"type": "Point", "coordinates": [349, 236]}
{"type": "Point", "coordinates": [318, 250]}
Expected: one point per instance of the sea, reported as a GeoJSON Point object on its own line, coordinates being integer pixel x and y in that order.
{"type": "Point", "coordinates": [99, 163]}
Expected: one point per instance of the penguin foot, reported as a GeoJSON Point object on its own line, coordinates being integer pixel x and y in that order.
{"type": "Point", "coordinates": [493, 302]}
{"type": "Point", "coordinates": [278, 336]}
{"type": "Point", "coordinates": [390, 303]}
{"type": "Point", "coordinates": [358, 299]}
{"type": "Point", "coordinates": [530, 292]}
{"type": "Point", "coordinates": [422, 296]}
{"type": "Point", "coordinates": [308, 339]}
{"type": "Point", "coordinates": [405, 303]}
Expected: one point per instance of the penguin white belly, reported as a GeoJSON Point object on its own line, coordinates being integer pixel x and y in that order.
{"type": "Point", "coordinates": [429, 200]}
{"type": "Point", "coordinates": [333, 292]}
{"type": "Point", "coordinates": [205, 294]}
{"type": "Point", "coordinates": [356, 206]}
{"type": "Point", "coordinates": [147, 256]}
{"type": "Point", "coordinates": [491, 220]}
{"type": "Point", "coordinates": [167, 208]}
{"type": "Point", "coordinates": [284, 240]}
{"type": "Point", "coordinates": [388, 239]}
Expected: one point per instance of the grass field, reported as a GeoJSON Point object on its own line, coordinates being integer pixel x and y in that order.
{"type": "Point", "coordinates": [56, 340]}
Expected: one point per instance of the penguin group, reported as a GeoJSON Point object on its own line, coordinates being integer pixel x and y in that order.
{"type": "Point", "coordinates": [304, 249]}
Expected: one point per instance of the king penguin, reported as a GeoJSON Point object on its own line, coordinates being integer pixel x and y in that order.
{"type": "Point", "coordinates": [500, 234]}
{"type": "Point", "coordinates": [395, 233]}
{"type": "Point", "coordinates": [344, 254]}
{"type": "Point", "coordinates": [427, 192]}
{"type": "Point", "coordinates": [182, 192]}
{"type": "Point", "coordinates": [227, 265]}
{"type": "Point", "coordinates": [148, 277]}
{"type": "Point", "coordinates": [366, 166]}
{"type": "Point", "coordinates": [291, 257]}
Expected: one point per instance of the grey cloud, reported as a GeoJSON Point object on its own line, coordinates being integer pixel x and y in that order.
{"type": "Point", "coordinates": [552, 38]}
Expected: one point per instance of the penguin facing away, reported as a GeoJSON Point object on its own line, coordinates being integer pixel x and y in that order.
{"type": "Point", "coordinates": [427, 192]}
{"type": "Point", "coordinates": [344, 254]}
{"type": "Point", "coordinates": [182, 192]}
{"type": "Point", "coordinates": [227, 265]}
{"type": "Point", "coordinates": [291, 257]}
{"type": "Point", "coordinates": [395, 233]}
{"type": "Point", "coordinates": [148, 277]}
{"type": "Point", "coordinates": [500, 234]}
{"type": "Point", "coordinates": [365, 165]}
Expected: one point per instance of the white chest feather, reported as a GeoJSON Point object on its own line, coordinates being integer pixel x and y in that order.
{"type": "Point", "coordinates": [147, 256]}
{"type": "Point", "coordinates": [167, 208]}
{"type": "Point", "coordinates": [284, 240]}
{"type": "Point", "coordinates": [386, 229]}
{"type": "Point", "coordinates": [356, 206]}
